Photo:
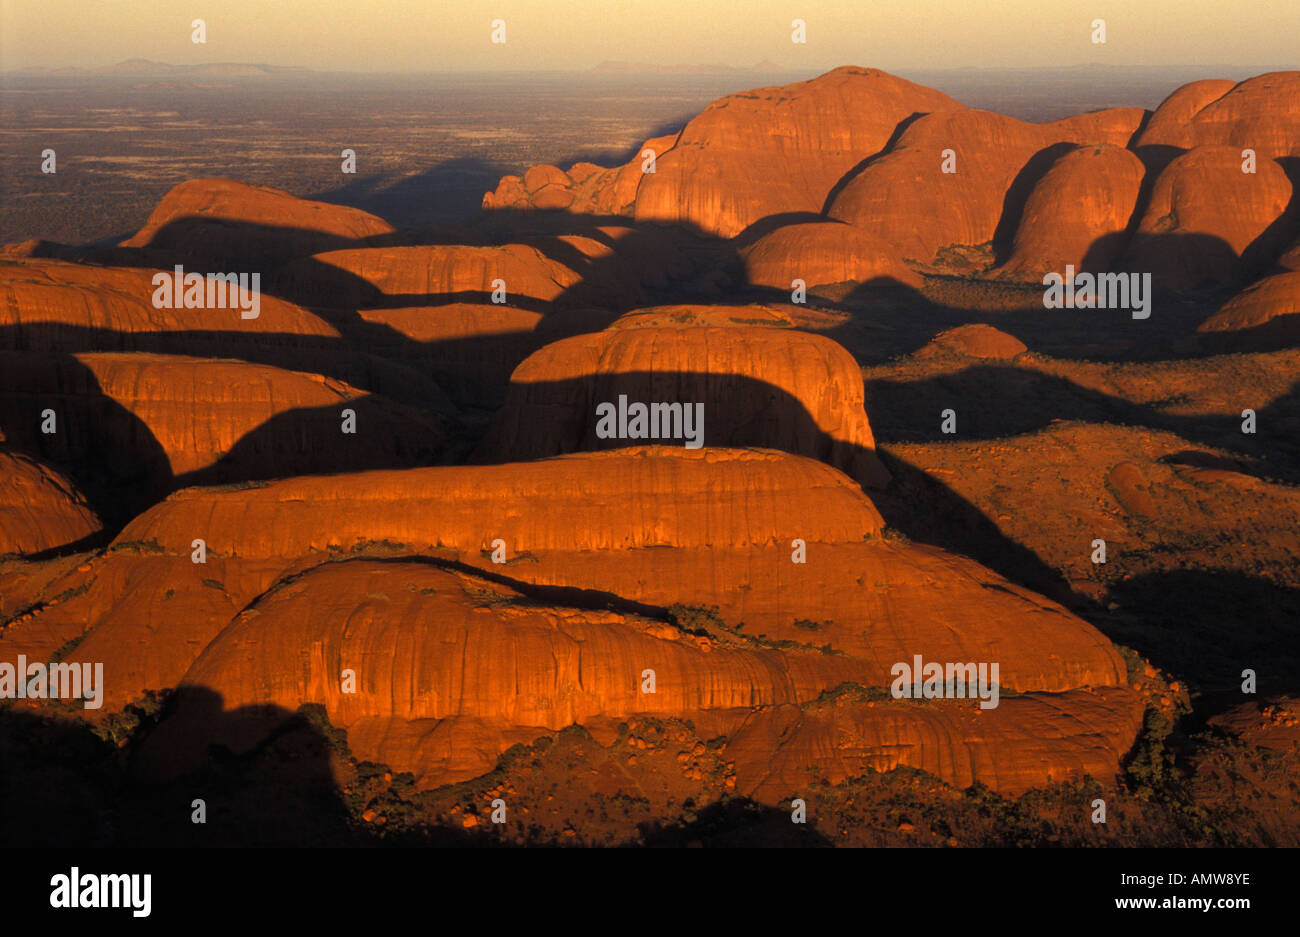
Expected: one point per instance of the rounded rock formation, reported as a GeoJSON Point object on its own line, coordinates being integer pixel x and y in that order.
{"type": "Point", "coordinates": [40, 509]}
{"type": "Point", "coordinates": [1265, 315]}
{"type": "Point", "coordinates": [777, 150]}
{"type": "Point", "coordinates": [906, 197]}
{"type": "Point", "coordinates": [1076, 214]}
{"type": "Point", "coordinates": [774, 388]}
{"type": "Point", "coordinates": [976, 340]}
{"type": "Point", "coordinates": [437, 653]}
{"type": "Point", "coordinates": [1209, 223]}
{"type": "Point", "coordinates": [1261, 113]}
{"type": "Point", "coordinates": [224, 221]}
{"type": "Point", "coordinates": [824, 253]}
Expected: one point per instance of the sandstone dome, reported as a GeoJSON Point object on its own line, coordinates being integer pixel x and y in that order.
{"type": "Point", "coordinates": [1077, 213]}
{"type": "Point", "coordinates": [823, 253]}
{"type": "Point", "coordinates": [1209, 223]}
{"type": "Point", "coordinates": [976, 340]}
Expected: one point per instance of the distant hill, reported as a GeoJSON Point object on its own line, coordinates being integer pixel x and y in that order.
{"type": "Point", "coordinates": [145, 68]}
{"type": "Point", "coordinates": [644, 68]}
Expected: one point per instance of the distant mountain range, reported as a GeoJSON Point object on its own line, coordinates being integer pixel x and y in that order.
{"type": "Point", "coordinates": [644, 68]}
{"type": "Point", "coordinates": [145, 68]}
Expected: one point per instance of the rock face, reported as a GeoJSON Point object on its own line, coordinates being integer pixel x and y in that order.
{"type": "Point", "coordinates": [436, 651]}
{"type": "Point", "coordinates": [775, 388]}
{"type": "Point", "coordinates": [152, 418]}
{"type": "Point", "coordinates": [228, 222]}
{"type": "Point", "coordinates": [907, 198]}
{"type": "Point", "coordinates": [1291, 259]}
{"type": "Point", "coordinates": [431, 275]}
{"type": "Point", "coordinates": [1076, 214]}
{"type": "Point", "coordinates": [459, 647]}
{"type": "Point", "coordinates": [1208, 222]}
{"type": "Point", "coordinates": [1266, 314]}
{"type": "Point", "coordinates": [52, 305]}
{"type": "Point", "coordinates": [973, 341]}
{"type": "Point", "coordinates": [40, 509]}
{"type": "Point", "coordinates": [761, 315]}
{"type": "Point", "coordinates": [584, 189]}
{"type": "Point", "coordinates": [1261, 113]}
{"type": "Point", "coordinates": [748, 156]}
{"type": "Point", "coordinates": [448, 271]}
{"type": "Point", "coordinates": [778, 751]}
{"type": "Point", "coordinates": [728, 538]}
{"type": "Point", "coordinates": [261, 552]}
{"type": "Point", "coordinates": [821, 253]}
{"type": "Point", "coordinates": [1272, 723]}
{"type": "Point", "coordinates": [778, 150]}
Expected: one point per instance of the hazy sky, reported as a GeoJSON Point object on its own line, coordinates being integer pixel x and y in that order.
{"type": "Point", "coordinates": [435, 35]}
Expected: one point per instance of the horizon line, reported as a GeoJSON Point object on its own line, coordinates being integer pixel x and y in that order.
{"type": "Point", "coordinates": [645, 68]}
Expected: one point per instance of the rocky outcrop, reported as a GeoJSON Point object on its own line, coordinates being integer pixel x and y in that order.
{"type": "Point", "coordinates": [1274, 722]}
{"type": "Point", "coordinates": [1026, 742]}
{"type": "Point", "coordinates": [730, 537]}
{"type": "Point", "coordinates": [427, 644]}
{"type": "Point", "coordinates": [973, 341]}
{"type": "Point", "coordinates": [1264, 315]}
{"type": "Point", "coordinates": [222, 221]}
{"type": "Point", "coordinates": [774, 388]}
{"type": "Point", "coordinates": [585, 189]}
{"type": "Point", "coordinates": [163, 416]}
{"type": "Point", "coordinates": [430, 275]}
{"type": "Point", "coordinates": [775, 151]}
{"type": "Point", "coordinates": [1077, 214]}
{"type": "Point", "coordinates": [53, 304]}
{"type": "Point", "coordinates": [1260, 113]}
{"type": "Point", "coordinates": [906, 196]}
{"type": "Point", "coordinates": [1208, 223]}
{"type": "Point", "coordinates": [821, 253]}
{"type": "Point", "coordinates": [40, 509]}
{"type": "Point", "coordinates": [1291, 259]}
{"type": "Point", "coordinates": [434, 653]}
{"type": "Point", "coordinates": [748, 156]}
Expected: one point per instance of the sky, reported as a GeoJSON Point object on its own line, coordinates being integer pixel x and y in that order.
{"type": "Point", "coordinates": [450, 35]}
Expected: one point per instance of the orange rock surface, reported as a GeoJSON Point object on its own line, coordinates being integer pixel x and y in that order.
{"type": "Point", "coordinates": [1291, 259]}
{"type": "Point", "coordinates": [585, 189]}
{"type": "Point", "coordinates": [976, 340]}
{"type": "Point", "coordinates": [745, 157]}
{"type": "Point", "coordinates": [725, 540]}
{"type": "Point", "coordinates": [775, 388]}
{"type": "Point", "coordinates": [40, 509]}
{"type": "Point", "coordinates": [822, 253]}
{"type": "Point", "coordinates": [430, 275]}
{"type": "Point", "coordinates": [1265, 313]}
{"type": "Point", "coordinates": [430, 647]}
{"type": "Point", "coordinates": [777, 150]}
{"type": "Point", "coordinates": [526, 589]}
{"type": "Point", "coordinates": [906, 197]}
{"type": "Point", "coordinates": [428, 644]}
{"type": "Point", "coordinates": [1273, 722]}
{"type": "Point", "coordinates": [44, 302]}
{"type": "Point", "coordinates": [1076, 214]}
{"type": "Point", "coordinates": [1024, 742]}
{"type": "Point", "coordinates": [236, 419]}
{"type": "Point", "coordinates": [1262, 113]}
{"type": "Point", "coordinates": [1206, 221]}
{"type": "Point", "coordinates": [231, 222]}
